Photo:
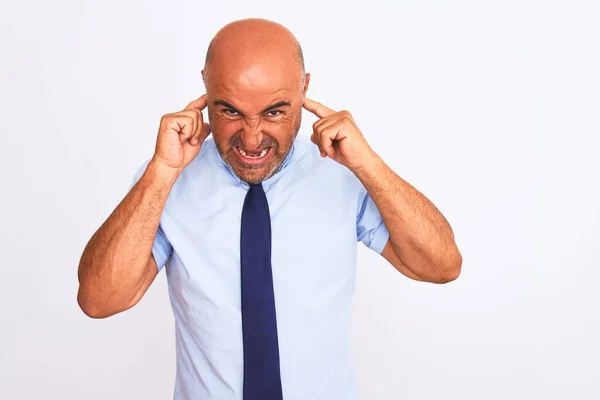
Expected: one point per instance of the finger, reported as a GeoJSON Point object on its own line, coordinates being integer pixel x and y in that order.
{"type": "Point", "coordinates": [198, 121]}
{"type": "Point", "coordinates": [325, 145]}
{"type": "Point", "coordinates": [193, 114]}
{"type": "Point", "coordinates": [328, 137]}
{"type": "Point", "coordinates": [183, 125]}
{"type": "Point", "coordinates": [321, 144]}
{"type": "Point", "coordinates": [320, 124]}
{"type": "Point", "coordinates": [198, 104]}
{"type": "Point", "coordinates": [322, 128]}
{"type": "Point", "coordinates": [202, 135]}
{"type": "Point", "coordinates": [317, 108]}
{"type": "Point", "coordinates": [323, 124]}
{"type": "Point", "coordinates": [315, 140]}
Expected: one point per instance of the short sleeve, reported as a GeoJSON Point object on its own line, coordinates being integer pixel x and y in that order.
{"type": "Point", "coordinates": [370, 228]}
{"type": "Point", "coordinates": [162, 248]}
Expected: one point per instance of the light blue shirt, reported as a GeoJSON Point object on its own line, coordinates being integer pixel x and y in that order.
{"type": "Point", "coordinates": [319, 210]}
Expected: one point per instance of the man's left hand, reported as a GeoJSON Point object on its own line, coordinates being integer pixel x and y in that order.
{"type": "Point", "coordinates": [338, 137]}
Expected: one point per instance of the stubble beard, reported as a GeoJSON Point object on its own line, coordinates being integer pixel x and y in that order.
{"type": "Point", "coordinates": [256, 174]}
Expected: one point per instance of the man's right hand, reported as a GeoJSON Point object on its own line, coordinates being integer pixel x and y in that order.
{"type": "Point", "coordinates": [181, 135]}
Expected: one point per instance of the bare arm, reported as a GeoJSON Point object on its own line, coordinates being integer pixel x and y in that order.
{"type": "Point", "coordinates": [421, 244]}
{"type": "Point", "coordinates": [117, 266]}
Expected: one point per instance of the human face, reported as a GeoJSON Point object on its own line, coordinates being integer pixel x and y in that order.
{"type": "Point", "coordinates": [255, 115]}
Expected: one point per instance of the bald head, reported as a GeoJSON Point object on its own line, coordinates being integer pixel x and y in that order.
{"type": "Point", "coordinates": [256, 40]}
{"type": "Point", "coordinates": [255, 84]}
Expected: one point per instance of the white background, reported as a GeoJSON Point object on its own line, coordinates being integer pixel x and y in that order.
{"type": "Point", "coordinates": [491, 109]}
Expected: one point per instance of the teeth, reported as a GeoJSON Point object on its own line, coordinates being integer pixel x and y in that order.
{"type": "Point", "coordinates": [262, 153]}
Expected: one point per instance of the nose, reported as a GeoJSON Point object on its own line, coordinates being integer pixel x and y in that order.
{"type": "Point", "coordinates": [251, 135]}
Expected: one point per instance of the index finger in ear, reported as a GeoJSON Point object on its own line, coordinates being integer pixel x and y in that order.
{"type": "Point", "coordinates": [317, 108]}
{"type": "Point", "coordinates": [198, 104]}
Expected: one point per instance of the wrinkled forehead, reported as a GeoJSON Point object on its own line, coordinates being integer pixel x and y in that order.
{"type": "Point", "coordinates": [252, 87]}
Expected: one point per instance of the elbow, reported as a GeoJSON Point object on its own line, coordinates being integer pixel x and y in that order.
{"type": "Point", "coordinates": [450, 274]}
{"type": "Point", "coordinates": [446, 271]}
{"type": "Point", "coordinates": [90, 306]}
{"type": "Point", "coordinates": [94, 307]}
{"type": "Point", "coordinates": [451, 269]}
{"type": "Point", "coordinates": [101, 298]}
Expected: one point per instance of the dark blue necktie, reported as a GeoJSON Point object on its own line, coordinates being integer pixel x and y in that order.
{"type": "Point", "coordinates": [261, 350]}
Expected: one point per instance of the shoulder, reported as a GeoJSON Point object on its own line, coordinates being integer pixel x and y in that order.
{"type": "Point", "coordinates": [323, 169]}
{"type": "Point", "coordinates": [206, 173]}
{"type": "Point", "coordinates": [207, 169]}
{"type": "Point", "coordinates": [207, 154]}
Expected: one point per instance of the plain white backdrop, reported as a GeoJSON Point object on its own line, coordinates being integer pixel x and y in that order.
{"type": "Point", "coordinates": [489, 108]}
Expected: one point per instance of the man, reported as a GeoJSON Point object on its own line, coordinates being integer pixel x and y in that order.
{"type": "Point", "coordinates": [258, 228]}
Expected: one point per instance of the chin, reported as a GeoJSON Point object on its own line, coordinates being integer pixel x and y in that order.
{"type": "Point", "coordinates": [253, 174]}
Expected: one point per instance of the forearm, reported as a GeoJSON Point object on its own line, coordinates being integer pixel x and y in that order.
{"type": "Point", "coordinates": [419, 234]}
{"type": "Point", "coordinates": [114, 266]}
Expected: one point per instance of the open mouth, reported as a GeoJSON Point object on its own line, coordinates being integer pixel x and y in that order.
{"type": "Point", "coordinates": [253, 157]}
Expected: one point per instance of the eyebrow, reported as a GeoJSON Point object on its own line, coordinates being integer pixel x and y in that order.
{"type": "Point", "coordinates": [282, 103]}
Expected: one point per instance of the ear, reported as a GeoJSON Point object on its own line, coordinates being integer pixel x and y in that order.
{"type": "Point", "coordinates": [306, 82]}
{"type": "Point", "coordinates": [204, 77]}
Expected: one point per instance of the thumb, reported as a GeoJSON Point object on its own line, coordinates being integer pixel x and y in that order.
{"type": "Point", "coordinates": [206, 130]}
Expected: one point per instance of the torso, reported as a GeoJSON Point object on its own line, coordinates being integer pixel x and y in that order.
{"type": "Point", "coordinates": [313, 204]}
